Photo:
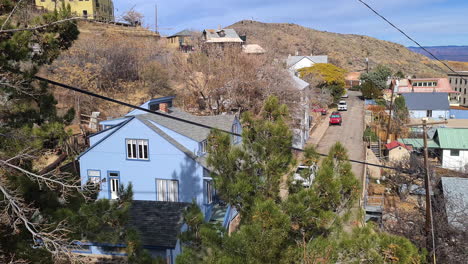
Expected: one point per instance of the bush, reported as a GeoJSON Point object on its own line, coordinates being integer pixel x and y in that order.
{"type": "Point", "coordinates": [368, 133]}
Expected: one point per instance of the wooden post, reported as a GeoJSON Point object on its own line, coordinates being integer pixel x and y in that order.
{"type": "Point", "coordinates": [429, 226]}
{"type": "Point", "coordinates": [390, 117]}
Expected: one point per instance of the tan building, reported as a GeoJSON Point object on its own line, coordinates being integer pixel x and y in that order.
{"type": "Point", "coordinates": [92, 9]}
{"type": "Point", "coordinates": [397, 151]}
{"type": "Point", "coordinates": [182, 40]}
{"type": "Point", "coordinates": [459, 82]}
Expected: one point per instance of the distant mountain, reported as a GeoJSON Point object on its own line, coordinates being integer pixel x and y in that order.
{"type": "Point", "coordinates": [348, 51]}
{"type": "Point", "coordinates": [453, 53]}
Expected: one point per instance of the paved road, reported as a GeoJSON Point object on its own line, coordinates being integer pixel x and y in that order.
{"type": "Point", "coordinates": [349, 133]}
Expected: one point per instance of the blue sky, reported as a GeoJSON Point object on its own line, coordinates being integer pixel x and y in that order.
{"type": "Point", "coordinates": [431, 22]}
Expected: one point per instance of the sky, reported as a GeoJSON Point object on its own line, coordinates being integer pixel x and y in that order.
{"type": "Point", "coordinates": [430, 22]}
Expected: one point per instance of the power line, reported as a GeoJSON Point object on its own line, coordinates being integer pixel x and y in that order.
{"type": "Point", "coordinates": [410, 38]}
{"type": "Point", "coordinates": [69, 87]}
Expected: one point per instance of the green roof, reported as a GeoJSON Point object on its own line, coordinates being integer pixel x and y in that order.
{"type": "Point", "coordinates": [452, 138]}
{"type": "Point", "coordinates": [418, 142]}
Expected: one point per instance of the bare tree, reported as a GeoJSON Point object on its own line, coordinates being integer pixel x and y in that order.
{"type": "Point", "coordinates": [133, 17]}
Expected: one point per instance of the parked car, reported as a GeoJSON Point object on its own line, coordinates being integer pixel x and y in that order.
{"type": "Point", "coordinates": [342, 106]}
{"type": "Point", "coordinates": [335, 118]}
{"type": "Point", "coordinates": [305, 175]}
{"type": "Point", "coordinates": [321, 110]}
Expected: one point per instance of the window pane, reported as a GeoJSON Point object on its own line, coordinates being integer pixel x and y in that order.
{"type": "Point", "coordinates": [173, 191]}
{"type": "Point", "coordinates": [129, 149]}
{"type": "Point", "coordinates": [145, 151]}
{"type": "Point", "coordinates": [161, 190]}
{"type": "Point", "coordinates": [134, 154]}
{"type": "Point", "coordinates": [140, 151]}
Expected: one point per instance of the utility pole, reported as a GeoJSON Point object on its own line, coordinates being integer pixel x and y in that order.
{"type": "Point", "coordinates": [156, 18]}
{"type": "Point", "coordinates": [367, 65]}
{"type": "Point", "coordinates": [429, 223]}
{"type": "Point", "coordinates": [390, 116]}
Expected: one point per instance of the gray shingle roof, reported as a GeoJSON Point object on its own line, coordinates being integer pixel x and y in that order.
{"type": "Point", "coordinates": [427, 101]}
{"type": "Point", "coordinates": [230, 35]}
{"type": "Point", "coordinates": [196, 133]}
{"type": "Point", "coordinates": [157, 223]}
{"type": "Point", "coordinates": [298, 82]}
{"type": "Point", "coordinates": [292, 60]}
{"type": "Point", "coordinates": [456, 195]}
{"type": "Point", "coordinates": [184, 32]}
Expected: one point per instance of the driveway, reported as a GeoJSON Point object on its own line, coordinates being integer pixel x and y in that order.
{"type": "Point", "coordinates": [349, 133]}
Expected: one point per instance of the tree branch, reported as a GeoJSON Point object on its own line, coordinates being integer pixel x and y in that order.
{"type": "Point", "coordinates": [11, 13]}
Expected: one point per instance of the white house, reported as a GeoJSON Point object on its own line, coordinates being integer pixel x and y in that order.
{"type": "Point", "coordinates": [294, 63]}
{"type": "Point", "coordinates": [430, 105]}
{"type": "Point", "coordinates": [453, 144]}
{"type": "Point", "coordinates": [302, 116]}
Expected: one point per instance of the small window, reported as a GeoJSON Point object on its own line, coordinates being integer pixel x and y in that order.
{"type": "Point", "coordinates": [203, 146]}
{"type": "Point", "coordinates": [137, 149]}
{"type": "Point", "coordinates": [454, 152]}
{"type": "Point", "coordinates": [425, 84]}
{"type": "Point", "coordinates": [209, 191]}
{"type": "Point", "coordinates": [429, 113]}
{"type": "Point", "coordinates": [94, 177]}
{"type": "Point", "coordinates": [167, 190]}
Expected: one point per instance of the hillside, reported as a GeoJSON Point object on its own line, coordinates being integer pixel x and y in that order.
{"type": "Point", "coordinates": [345, 50]}
{"type": "Point", "coordinates": [452, 53]}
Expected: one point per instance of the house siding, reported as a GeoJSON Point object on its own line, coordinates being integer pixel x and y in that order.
{"type": "Point", "coordinates": [165, 162]}
{"type": "Point", "coordinates": [93, 139]}
{"type": "Point", "coordinates": [459, 114]}
{"type": "Point", "coordinates": [305, 62]}
{"type": "Point", "coordinates": [436, 114]}
{"type": "Point", "coordinates": [454, 162]}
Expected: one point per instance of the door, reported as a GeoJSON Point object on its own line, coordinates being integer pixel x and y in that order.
{"type": "Point", "coordinates": [114, 188]}
{"type": "Point", "coordinates": [114, 182]}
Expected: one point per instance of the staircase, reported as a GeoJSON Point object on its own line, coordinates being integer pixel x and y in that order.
{"type": "Point", "coordinates": [376, 148]}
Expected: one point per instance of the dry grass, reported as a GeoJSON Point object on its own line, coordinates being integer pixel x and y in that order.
{"type": "Point", "coordinates": [344, 50]}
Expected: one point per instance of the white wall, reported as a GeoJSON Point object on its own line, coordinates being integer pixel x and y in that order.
{"type": "Point", "coordinates": [435, 114]}
{"type": "Point", "coordinates": [454, 162]}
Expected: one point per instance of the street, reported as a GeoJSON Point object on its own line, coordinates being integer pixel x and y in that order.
{"type": "Point", "coordinates": [349, 133]}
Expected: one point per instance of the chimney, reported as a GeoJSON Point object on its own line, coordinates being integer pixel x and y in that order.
{"type": "Point", "coordinates": [164, 107]}
{"type": "Point", "coordinates": [297, 53]}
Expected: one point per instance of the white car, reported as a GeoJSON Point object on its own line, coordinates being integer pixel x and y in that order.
{"type": "Point", "coordinates": [305, 175]}
{"type": "Point", "coordinates": [342, 106]}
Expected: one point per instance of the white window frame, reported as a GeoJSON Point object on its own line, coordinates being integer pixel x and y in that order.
{"type": "Point", "coordinates": [137, 149]}
{"type": "Point", "coordinates": [94, 177]}
{"type": "Point", "coordinates": [454, 150]}
{"type": "Point", "coordinates": [203, 147]}
{"type": "Point", "coordinates": [209, 191]}
{"type": "Point", "coordinates": [167, 190]}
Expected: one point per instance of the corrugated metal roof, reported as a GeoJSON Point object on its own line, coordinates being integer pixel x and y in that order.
{"type": "Point", "coordinates": [184, 32]}
{"type": "Point", "coordinates": [417, 143]}
{"type": "Point", "coordinates": [222, 35]}
{"type": "Point", "coordinates": [452, 138]}
{"type": "Point", "coordinates": [427, 101]}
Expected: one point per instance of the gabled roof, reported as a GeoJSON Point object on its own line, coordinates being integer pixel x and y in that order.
{"type": "Point", "coordinates": [116, 128]}
{"type": "Point", "coordinates": [292, 60]}
{"type": "Point", "coordinates": [298, 82]}
{"type": "Point", "coordinates": [183, 33]}
{"type": "Point", "coordinates": [456, 195]}
{"type": "Point", "coordinates": [157, 223]}
{"type": "Point", "coordinates": [427, 101]}
{"type": "Point", "coordinates": [395, 144]}
{"type": "Point", "coordinates": [418, 143]}
{"type": "Point", "coordinates": [194, 132]}
{"type": "Point", "coordinates": [452, 138]}
{"type": "Point", "coordinates": [222, 35]}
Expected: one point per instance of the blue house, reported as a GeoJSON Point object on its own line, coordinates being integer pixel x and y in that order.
{"type": "Point", "coordinates": [163, 158]}
{"type": "Point", "coordinates": [430, 105]}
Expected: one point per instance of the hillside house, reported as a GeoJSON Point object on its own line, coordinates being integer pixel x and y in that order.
{"type": "Point", "coordinates": [426, 85]}
{"type": "Point", "coordinates": [430, 105]}
{"type": "Point", "coordinates": [253, 49]}
{"type": "Point", "coordinates": [294, 63]}
{"type": "Point", "coordinates": [182, 40]}
{"type": "Point", "coordinates": [352, 79]}
{"type": "Point", "coordinates": [222, 37]}
{"type": "Point", "coordinates": [91, 9]}
{"type": "Point", "coordinates": [163, 158]}
{"type": "Point", "coordinates": [459, 82]}
{"type": "Point", "coordinates": [397, 151]}
{"type": "Point", "coordinates": [302, 117]}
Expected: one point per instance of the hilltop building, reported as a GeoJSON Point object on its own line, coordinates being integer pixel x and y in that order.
{"type": "Point", "coordinates": [222, 37]}
{"type": "Point", "coordinates": [182, 40]}
{"type": "Point", "coordinates": [459, 82]}
{"type": "Point", "coordinates": [92, 9]}
{"type": "Point", "coordinates": [294, 63]}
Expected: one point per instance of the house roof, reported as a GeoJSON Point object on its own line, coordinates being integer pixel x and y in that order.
{"type": "Point", "coordinates": [197, 133]}
{"type": "Point", "coordinates": [215, 36]}
{"type": "Point", "coordinates": [298, 82]}
{"type": "Point", "coordinates": [443, 86]}
{"type": "Point", "coordinates": [157, 223]}
{"type": "Point", "coordinates": [417, 143]}
{"type": "Point", "coordinates": [457, 199]}
{"type": "Point", "coordinates": [452, 138]}
{"type": "Point", "coordinates": [253, 49]}
{"type": "Point", "coordinates": [182, 33]}
{"type": "Point", "coordinates": [292, 60]}
{"type": "Point", "coordinates": [427, 101]}
{"type": "Point", "coordinates": [395, 144]}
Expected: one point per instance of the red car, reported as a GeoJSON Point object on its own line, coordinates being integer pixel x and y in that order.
{"type": "Point", "coordinates": [335, 118]}
{"type": "Point", "coordinates": [321, 110]}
